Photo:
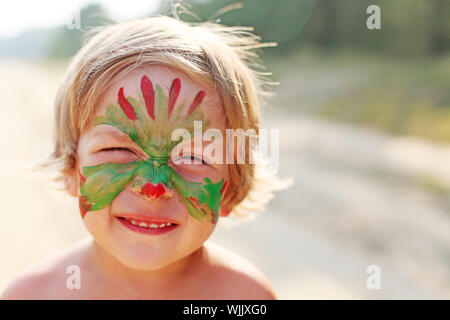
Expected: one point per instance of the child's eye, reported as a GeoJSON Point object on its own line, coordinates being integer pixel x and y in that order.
{"type": "Point", "coordinates": [116, 149]}
{"type": "Point", "coordinates": [192, 160]}
{"type": "Point", "coordinates": [195, 160]}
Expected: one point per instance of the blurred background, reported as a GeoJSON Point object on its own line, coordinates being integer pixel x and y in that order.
{"type": "Point", "coordinates": [364, 119]}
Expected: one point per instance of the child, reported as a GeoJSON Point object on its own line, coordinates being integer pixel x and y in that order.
{"type": "Point", "coordinates": [149, 204]}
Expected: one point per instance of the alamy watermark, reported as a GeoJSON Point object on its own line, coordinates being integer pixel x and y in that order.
{"type": "Point", "coordinates": [373, 281]}
{"type": "Point", "coordinates": [374, 20]}
{"type": "Point", "coordinates": [237, 147]}
{"type": "Point", "coordinates": [73, 20]}
{"type": "Point", "coordinates": [73, 281]}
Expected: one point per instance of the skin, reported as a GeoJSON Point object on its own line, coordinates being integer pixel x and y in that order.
{"type": "Point", "coordinates": [117, 263]}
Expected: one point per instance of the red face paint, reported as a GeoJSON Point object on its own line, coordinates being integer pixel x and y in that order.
{"type": "Point", "coordinates": [153, 191]}
{"type": "Point", "coordinates": [82, 178]}
{"type": "Point", "coordinates": [223, 187]}
{"type": "Point", "coordinates": [173, 95]}
{"type": "Point", "coordinates": [197, 100]}
{"type": "Point", "coordinates": [192, 200]}
{"type": "Point", "coordinates": [149, 96]}
{"type": "Point", "coordinates": [126, 106]}
{"type": "Point", "coordinates": [82, 200]}
{"type": "Point", "coordinates": [84, 205]}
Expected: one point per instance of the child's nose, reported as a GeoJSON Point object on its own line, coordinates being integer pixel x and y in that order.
{"type": "Point", "coordinates": [153, 191]}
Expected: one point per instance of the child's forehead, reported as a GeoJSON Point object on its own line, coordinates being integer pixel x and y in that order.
{"type": "Point", "coordinates": [164, 77]}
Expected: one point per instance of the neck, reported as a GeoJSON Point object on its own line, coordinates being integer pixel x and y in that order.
{"type": "Point", "coordinates": [113, 271]}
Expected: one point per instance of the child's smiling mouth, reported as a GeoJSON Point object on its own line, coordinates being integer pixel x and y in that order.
{"type": "Point", "coordinates": [146, 224]}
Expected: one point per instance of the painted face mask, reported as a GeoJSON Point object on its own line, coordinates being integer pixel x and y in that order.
{"type": "Point", "coordinates": [149, 122]}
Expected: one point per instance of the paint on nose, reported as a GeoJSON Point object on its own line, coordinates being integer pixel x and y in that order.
{"type": "Point", "coordinates": [154, 191]}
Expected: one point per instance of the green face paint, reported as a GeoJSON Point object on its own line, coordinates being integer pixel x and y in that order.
{"type": "Point", "coordinates": [149, 121]}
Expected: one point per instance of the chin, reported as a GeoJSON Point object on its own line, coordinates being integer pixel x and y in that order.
{"type": "Point", "coordinates": [138, 260]}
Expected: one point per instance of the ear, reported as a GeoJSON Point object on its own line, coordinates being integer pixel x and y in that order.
{"type": "Point", "coordinates": [71, 183]}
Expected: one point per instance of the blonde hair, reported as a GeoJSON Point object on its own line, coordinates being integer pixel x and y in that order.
{"type": "Point", "coordinates": [214, 55]}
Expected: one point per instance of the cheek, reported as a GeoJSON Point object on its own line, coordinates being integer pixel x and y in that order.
{"type": "Point", "coordinates": [98, 223]}
{"type": "Point", "coordinates": [198, 231]}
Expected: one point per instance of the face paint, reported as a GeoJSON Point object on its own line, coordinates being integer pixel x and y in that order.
{"type": "Point", "coordinates": [149, 122]}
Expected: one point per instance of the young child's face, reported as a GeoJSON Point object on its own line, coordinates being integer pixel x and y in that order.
{"type": "Point", "coordinates": [137, 203]}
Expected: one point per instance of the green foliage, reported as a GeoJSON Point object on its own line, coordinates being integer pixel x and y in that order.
{"type": "Point", "coordinates": [402, 98]}
{"type": "Point", "coordinates": [408, 27]}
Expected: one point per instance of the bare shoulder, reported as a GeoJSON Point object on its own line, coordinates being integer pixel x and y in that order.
{"type": "Point", "coordinates": [45, 279]}
{"type": "Point", "coordinates": [236, 278]}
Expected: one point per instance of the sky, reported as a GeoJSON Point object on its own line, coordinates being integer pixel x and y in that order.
{"type": "Point", "coordinates": [20, 15]}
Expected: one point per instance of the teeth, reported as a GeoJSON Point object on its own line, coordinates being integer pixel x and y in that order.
{"type": "Point", "coordinates": [153, 225]}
